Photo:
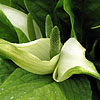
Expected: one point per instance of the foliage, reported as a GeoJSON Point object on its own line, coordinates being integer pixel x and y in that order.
{"type": "Point", "coordinates": [52, 46]}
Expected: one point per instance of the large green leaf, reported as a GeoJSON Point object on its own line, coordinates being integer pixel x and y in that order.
{"type": "Point", "coordinates": [30, 86]}
{"type": "Point", "coordinates": [19, 4]}
{"type": "Point", "coordinates": [84, 14]}
{"type": "Point", "coordinates": [6, 67]}
{"type": "Point", "coordinates": [76, 88]}
{"type": "Point", "coordinates": [20, 76]}
{"type": "Point", "coordinates": [6, 2]}
{"type": "Point", "coordinates": [39, 9]}
{"type": "Point", "coordinates": [7, 30]}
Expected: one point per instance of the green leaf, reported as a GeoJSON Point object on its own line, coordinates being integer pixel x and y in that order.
{"type": "Point", "coordinates": [84, 14]}
{"type": "Point", "coordinates": [6, 67]}
{"type": "Point", "coordinates": [23, 85]}
{"type": "Point", "coordinates": [59, 4]}
{"type": "Point", "coordinates": [68, 8]}
{"type": "Point", "coordinates": [30, 27]}
{"type": "Point", "coordinates": [33, 29]}
{"type": "Point", "coordinates": [36, 55]}
{"type": "Point", "coordinates": [95, 27]}
{"type": "Point", "coordinates": [61, 19]}
{"type": "Point", "coordinates": [6, 2]}
{"type": "Point", "coordinates": [22, 92]}
{"type": "Point", "coordinates": [19, 4]}
{"type": "Point", "coordinates": [93, 55]}
{"type": "Point", "coordinates": [20, 76]}
{"type": "Point", "coordinates": [17, 18]}
{"type": "Point", "coordinates": [39, 10]}
{"type": "Point", "coordinates": [7, 30]}
{"type": "Point", "coordinates": [48, 26]}
{"type": "Point", "coordinates": [3, 77]}
{"type": "Point", "coordinates": [21, 36]}
{"type": "Point", "coordinates": [95, 90]}
{"type": "Point", "coordinates": [76, 88]}
{"type": "Point", "coordinates": [98, 84]}
{"type": "Point", "coordinates": [73, 61]}
{"type": "Point", "coordinates": [37, 30]}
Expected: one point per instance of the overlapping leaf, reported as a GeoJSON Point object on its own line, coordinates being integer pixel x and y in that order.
{"type": "Point", "coordinates": [84, 14]}
{"type": "Point", "coordinates": [30, 86]}
{"type": "Point", "coordinates": [19, 19]}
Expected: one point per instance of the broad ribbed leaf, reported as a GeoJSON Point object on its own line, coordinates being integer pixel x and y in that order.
{"type": "Point", "coordinates": [6, 68]}
{"type": "Point", "coordinates": [76, 88]}
{"type": "Point", "coordinates": [23, 85]}
{"type": "Point", "coordinates": [20, 76]}
{"type": "Point", "coordinates": [7, 30]}
{"type": "Point", "coordinates": [84, 14]}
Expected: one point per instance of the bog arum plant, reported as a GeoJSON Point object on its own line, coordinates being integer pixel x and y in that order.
{"type": "Point", "coordinates": [47, 55]}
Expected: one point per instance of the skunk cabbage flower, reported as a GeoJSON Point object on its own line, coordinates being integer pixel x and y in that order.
{"type": "Point", "coordinates": [34, 57]}
{"type": "Point", "coordinates": [45, 55]}
{"type": "Point", "coordinates": [73, 61]}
